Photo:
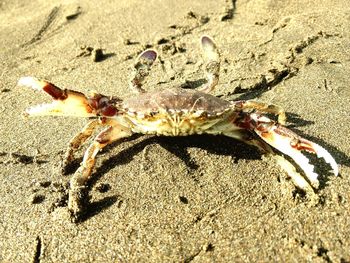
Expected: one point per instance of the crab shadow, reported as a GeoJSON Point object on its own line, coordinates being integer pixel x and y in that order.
{"type": "Point", "coordinates": [97, 207]}
{"type": "Point", "coordinates": [218, 145]}
{"type": "Point", "coordinates": [178, 146]}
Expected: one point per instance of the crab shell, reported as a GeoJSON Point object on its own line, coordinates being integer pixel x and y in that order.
{"type": "Point", "coordinates": [174, 112]}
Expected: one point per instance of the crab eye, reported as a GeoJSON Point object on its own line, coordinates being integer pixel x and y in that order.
{"type": "Point", "coordinates": [103, 102]}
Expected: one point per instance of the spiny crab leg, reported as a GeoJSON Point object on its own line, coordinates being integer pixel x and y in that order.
{"type": "Point", "coordinates": [77, 141]}
{"type": "Point", "coordinates": [141, 70]}
{"type": "Point", "coordinates": [79, 182]}
{"type": "Point", "coordinates": [292, 144]}
{"type": "Point", "coordinates": [212, 63]}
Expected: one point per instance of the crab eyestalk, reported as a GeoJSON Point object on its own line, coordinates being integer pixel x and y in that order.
{"type": "Point", "coordinates": [141, 70]}
{"type": "Point", "coordinates": [212, 63]}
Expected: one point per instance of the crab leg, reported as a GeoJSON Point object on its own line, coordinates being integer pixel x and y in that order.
{"type": "Point", "coordinates": [212, 63]}
{"type": "Point", "coordinates": [245, 136]}
{"type": "Point", "coordinates": [66, 102]}
{"type": "Point", "coordinates": [263, 107]}
{"type": "Point", "coordinates": [141, 70]}
{"type": "Point", "coordinates": [78, 184]}
{"type": "Point", "coordinates": [291, 144]}
{"type": "Point", "coordinates": [77, 141]}
{"type": "Point", "coordinates": [296, 177]}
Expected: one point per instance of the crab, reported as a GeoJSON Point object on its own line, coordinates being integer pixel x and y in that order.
{"type": "Point", "coordinates": [174, 111]}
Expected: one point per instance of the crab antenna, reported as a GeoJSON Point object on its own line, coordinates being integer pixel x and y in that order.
{"type": "Point", "coordinates": [212, 63]}
{"type": "Point", "coordinates": [141, 70]}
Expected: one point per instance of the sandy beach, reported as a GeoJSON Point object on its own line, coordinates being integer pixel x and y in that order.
{"type": "Point", "coordinates": [169, 199]}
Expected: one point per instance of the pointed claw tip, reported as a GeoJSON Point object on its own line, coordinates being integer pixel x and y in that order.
{"type": "Point", "coordinates": [25, 81]}
{"type": "Point", "coordinates": [30, 82]}
{"type": "Point", "coordinates": [321, 152]}
{"type": "Point", "coordinates": [336, 170]}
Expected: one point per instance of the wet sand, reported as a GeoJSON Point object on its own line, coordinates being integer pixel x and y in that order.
{"type": "Point", "coordinates": [156, 199]}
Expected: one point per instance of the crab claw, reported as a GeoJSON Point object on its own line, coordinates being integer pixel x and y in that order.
{"type": "Point", "coordinates": [66, 102]}
{"type": "Point", "coordinates": [292, 145]}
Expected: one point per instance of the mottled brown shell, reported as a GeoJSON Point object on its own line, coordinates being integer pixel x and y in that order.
{"type": "Point", "coordinates": [176, 100]}
{"type": "Point", "coordinates": [174, 112]}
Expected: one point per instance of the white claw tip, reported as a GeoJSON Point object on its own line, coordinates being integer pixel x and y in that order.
{"type": "Point", "coordinates": [30, 82]}
{"type": "Point", "coordinates": [321, 152]}
{"type": "Point", "coordinates": [25, 81]}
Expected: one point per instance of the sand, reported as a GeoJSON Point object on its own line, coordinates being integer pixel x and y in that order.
{"type": "Point", "coordinates": [190, 199]}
